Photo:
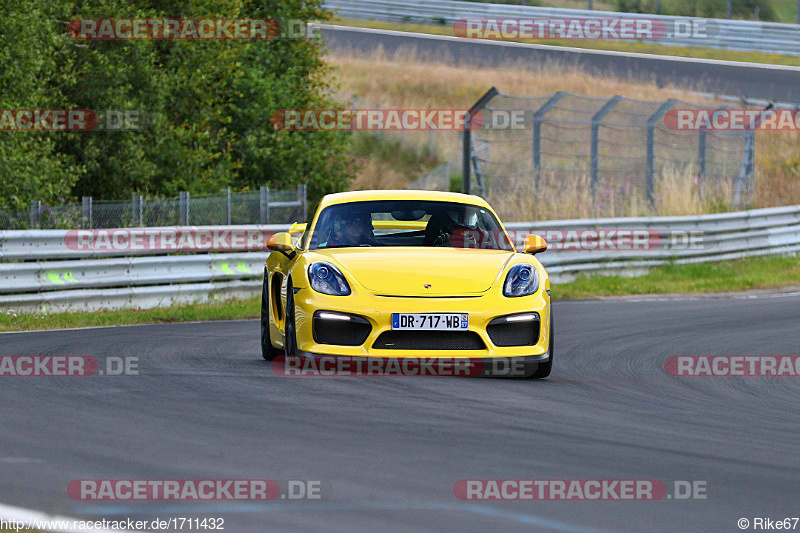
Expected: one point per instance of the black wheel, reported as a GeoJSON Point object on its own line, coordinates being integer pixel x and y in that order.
{"type": "Point", "coordinates": [268, 351]}
{"type": "Point", "coordinates": [543, 369]}
{"type": "Point", "coordinates": [290, 340]}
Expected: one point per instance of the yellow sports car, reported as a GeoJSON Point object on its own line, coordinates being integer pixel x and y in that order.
{"type": "Point", "coordinates": [407, 274]}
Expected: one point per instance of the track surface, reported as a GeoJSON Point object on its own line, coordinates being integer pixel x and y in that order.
{"type": "Point", "coordinates": [205, 405]}
{"type": "Point", "coordinates": [756, 81]}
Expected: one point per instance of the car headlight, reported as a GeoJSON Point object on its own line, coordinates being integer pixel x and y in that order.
{"type": "Point", "coordinates": [326, 278]}
{"type": "Point", "coordinates": [522, 280]}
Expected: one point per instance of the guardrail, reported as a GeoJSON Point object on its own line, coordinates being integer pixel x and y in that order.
{"type": "Point", "coordinates": [725, 34]}
{"type": "Point", "coordinates": [41, 272]}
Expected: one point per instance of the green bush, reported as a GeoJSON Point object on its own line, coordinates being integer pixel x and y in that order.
{"type": "Point", "coordinates": [207, 104]}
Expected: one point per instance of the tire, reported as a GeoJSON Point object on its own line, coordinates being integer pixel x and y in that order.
{"type": "Point", "coordinates": [268, 351]}
{"type": "Point", "coordinates": [543, 369]}
{"type": "Point", "coordinates": [290, 332]}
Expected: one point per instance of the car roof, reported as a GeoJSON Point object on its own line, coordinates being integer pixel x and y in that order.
{"type": "Point", "coordinates": [403, 194]}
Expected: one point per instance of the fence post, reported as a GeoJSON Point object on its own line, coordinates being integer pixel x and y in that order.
{"type": "Point", "coordinates": [379, 133]}
{"type": "Point", "coordinates": [651, 150]}
{"type": "Point", "coordinates": [184, 209]}
{"type": "Point", "coordinates": [302, 198]}
{"type": "Point", "coordinates": [264, 205]}
{"type": "Point", "coordinates": [86, 212]}
{"type": "Point", "coordinates": [432, 141]}
{"type": "Point", "coordinates": [746, 168]}
{"type": "Point", "coordinates": [136, 207]}
{"type": "Point", "coordinates": [538, 116]}
{"type": "Point", "coordinates": [466, 139]}
{"type": "Point", "coordinates": [228, 198]}
{"type": "Point", "coordinates": [466, 152]}
{"type": "Point", "coordinates": [701, 161]}
{"type": "Point", "coordinates": [36, 214]}
{"type": "Point", "coordinates": [596, 120]}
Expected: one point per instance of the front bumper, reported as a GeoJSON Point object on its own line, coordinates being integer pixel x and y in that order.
{"type": "Point", "coordinates": [377, 310]}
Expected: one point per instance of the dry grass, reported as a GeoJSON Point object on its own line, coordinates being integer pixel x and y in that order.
{"type": "Point", "coordinates": [676, 193]}
{"type": "Point", "coordinates": [404, 81]}
{"type": "Point", "coordinates": [777, 168]}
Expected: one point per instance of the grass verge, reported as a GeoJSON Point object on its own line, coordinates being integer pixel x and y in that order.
{"type": "Point", "coordinates": [725, 276]}
{"type": "Point", "coordinates": [639, 47]}
{"type": "Point", "coordinates": [229, 310]}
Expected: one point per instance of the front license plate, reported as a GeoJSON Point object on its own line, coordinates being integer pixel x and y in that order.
{"type": "Point", "coordinates": [430, 321]}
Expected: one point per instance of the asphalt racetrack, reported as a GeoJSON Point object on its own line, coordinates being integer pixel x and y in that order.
{"type": "Point", "coordinates": [206, 406]}
{"type": "Point", "coordinates": [769, 82]}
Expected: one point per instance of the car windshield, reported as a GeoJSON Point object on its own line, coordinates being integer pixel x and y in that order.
{"type": "Point", "coordinates": [408, 223]}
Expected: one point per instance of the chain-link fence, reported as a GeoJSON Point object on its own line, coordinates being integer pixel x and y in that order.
{"type": "Point", "coordinates": [580, 156]}
{"type": "Point", "coordinates": [264, 206]}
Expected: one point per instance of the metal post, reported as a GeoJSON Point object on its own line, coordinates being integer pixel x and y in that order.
{"type": "Point", "coordinates": [379, 133]}
{"type": "Point", "coordinates": [728, 9]}
{"type": "Point", "coordinates": [466, 139]}
{"type": "Point", "coordinates": [701, 161]}
{"type": "Point", "coordinates": [36, 214]}
{"type": "Point", "coordinates": [352, 111]}
{"type": "Point", "coordinates": [476, 165]}
{"type": "Point", "coordinates": [137, 210]}
{"type": "Point", "coordinates": [745, 169]}
{"type": "Point", "coordinates": [651, 155]}
{"type": "Point", "coordinates": [86, 212]}
{"type": "Point", "coordinates": [264, 205]}
{"type": "Point", "coordinates": [302, 197]}
{"type": "Point", "coordinates": [432, 141]}
{"type": "Point", "coordinates": [596, 120]}
{"type": "Point", "coordinates": [589, 5]}
{"type": "Point", "coordinates": [466, 169]}
{"type": "Point", "coordinates": [184, 209]}
{"type": "Point", "coordinates": [228, 198]}
{"type": "Point", "coordinates": [538, 117]}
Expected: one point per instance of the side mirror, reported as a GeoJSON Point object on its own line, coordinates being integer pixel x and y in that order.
{"type": "Point", "coordinates": [534, 244]}
{"type": "Point", "coordinates": [280, 242]}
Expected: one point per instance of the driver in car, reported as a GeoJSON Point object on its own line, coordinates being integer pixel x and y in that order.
{"type": "Point", "coordinates": [351, 229]}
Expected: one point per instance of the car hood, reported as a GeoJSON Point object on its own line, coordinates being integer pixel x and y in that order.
{"type": "Point", "coordinates": [407, 271]}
